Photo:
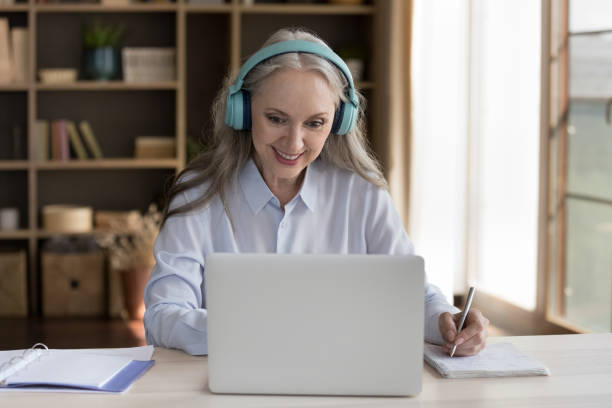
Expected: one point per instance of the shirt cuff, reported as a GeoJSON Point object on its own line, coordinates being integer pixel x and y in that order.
{"type": "Point", "coordinates": [432, 317]}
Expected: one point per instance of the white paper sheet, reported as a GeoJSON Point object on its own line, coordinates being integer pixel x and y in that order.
{"type": "Point", "coordinates": [496, 360]}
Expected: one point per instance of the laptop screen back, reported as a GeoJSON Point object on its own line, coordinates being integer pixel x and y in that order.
{"type": "Point", "coordinates": [315, 324]}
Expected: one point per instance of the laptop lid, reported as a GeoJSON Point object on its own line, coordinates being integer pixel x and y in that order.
{"type": "Point", "coordinates": [315, 324]}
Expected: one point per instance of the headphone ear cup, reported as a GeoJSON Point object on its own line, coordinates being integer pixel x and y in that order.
{"type": "Point", "coordinates": [344, 119]}
{"type": "Point", "coordinates": [338, 113]}
{"type": "Point", "coordinates": [238, 110]}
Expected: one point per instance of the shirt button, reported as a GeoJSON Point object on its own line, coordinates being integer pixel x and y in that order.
{"type": "Point", "coordinates": [283, 225]}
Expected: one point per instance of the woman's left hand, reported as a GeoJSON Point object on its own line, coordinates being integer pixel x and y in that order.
{"type": "Point", "coordinates": [473, 336]}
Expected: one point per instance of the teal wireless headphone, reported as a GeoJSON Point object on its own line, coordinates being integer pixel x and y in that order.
{"type": "Point", "coordinates": [238, 106]}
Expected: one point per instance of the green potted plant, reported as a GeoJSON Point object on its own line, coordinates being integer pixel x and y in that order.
{"type": "Point", "coordinates": [101, 57]}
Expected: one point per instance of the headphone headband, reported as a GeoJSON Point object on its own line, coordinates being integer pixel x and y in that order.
{"type": "Point", "coordinates": [286, 47]}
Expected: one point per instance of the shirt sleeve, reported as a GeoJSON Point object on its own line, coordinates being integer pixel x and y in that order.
{"type": "Point", "coordinates": [175, 317]}
{"type": "Point", "coordinates": [385, 234]}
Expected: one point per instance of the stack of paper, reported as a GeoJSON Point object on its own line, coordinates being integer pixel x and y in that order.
{"type": "Point", "coordinates": [496, 360]}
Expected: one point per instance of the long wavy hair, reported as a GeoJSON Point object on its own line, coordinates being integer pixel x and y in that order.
{"type": "Point", "coordinates": [229, 149]}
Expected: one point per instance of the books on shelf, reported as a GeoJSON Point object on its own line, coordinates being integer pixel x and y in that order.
{"type": "Point", "coordinates": [19, 39]}
{"type": "Point", "coordinates": [41, 138]}
{"type": "Point", "coordinates": [90, 139]}
{"type": "Point", "coordinates": [65, 140]}
{"type": "Point", "coordinates": [5, 53]}
{"type": "Point", "coordinates": [13, 52]}
{"type": "Point", "coordinates": [60, 149]}
{"type": "Point", "coordinates": [75, 141]}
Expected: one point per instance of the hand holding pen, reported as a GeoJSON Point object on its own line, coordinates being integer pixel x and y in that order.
{"type": "Point", "coordinates": [464, 333]}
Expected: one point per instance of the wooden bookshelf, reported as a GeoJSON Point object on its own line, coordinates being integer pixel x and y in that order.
{"type": "Point", "coordinates": [107, 86]}
{"type": "Point", "coordinates": [115, 163]}
{"type": "Point", "coordinates": [209, 39]}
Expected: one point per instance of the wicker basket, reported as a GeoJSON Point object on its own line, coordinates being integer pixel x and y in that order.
{"type": "Point", "coordinates": [73, 284]}
{"type": "Point", "coordinates": [13, 284]}
{"type": "Point", "coordinates": [67, 218]}
{"type": "Point", "coordinates": [149, 64]}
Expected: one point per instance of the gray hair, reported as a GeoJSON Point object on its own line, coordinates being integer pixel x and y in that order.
{"type": "Point", "coordinates": [230, 149]}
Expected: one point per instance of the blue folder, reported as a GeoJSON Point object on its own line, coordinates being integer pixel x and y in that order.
{"type": "Point", "coordinates": [118, 383]}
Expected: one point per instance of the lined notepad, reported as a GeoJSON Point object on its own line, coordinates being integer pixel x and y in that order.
{"type": "Point", "coordinates": [496, 360]}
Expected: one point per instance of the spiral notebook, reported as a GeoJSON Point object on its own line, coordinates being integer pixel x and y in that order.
{"type": "Point", "coordinates": [496, 360]}
{"type": "Point", "coordinates": [80, 370]}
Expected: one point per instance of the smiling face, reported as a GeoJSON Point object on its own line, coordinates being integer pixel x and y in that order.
{"type": "Point", "coordinates": [292, 115]}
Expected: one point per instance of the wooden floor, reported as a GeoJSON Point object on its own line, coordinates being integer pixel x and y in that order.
{"type": "Point", "coordinates": [70, 333]}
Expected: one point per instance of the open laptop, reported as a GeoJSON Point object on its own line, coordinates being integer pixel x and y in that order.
{"type": "Point", "coordinates": [315, 324]}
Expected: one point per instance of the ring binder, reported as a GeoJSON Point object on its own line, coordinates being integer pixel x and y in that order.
{"type": "Point", "coordinates": [18, 363]}
{"type": "Point", "coordinates": [73, 370]}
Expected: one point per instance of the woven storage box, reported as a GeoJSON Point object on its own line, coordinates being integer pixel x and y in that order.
{"type": "Point", "coordinates": [146, 147]}
{"type": "Point", "coordinates": [149, 64]}
{"type": "Point", "coordinates": [73, 284]}
{"type": "Point", "coordinates": [67, 218]}
{"type": "Point", "coordinates": [13, 284]}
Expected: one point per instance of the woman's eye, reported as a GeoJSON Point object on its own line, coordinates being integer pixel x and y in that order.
{"type": "Point", "coordinates": [277, 120]}
{"type": "Point", "coordinates": [315, 123]}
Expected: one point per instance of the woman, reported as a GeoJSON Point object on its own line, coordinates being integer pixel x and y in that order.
{"type": "Point", "coordinates": [288, 172]}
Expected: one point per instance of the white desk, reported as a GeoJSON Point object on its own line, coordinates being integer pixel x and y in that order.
{"type": "Point", "coordinates": [581, 367]}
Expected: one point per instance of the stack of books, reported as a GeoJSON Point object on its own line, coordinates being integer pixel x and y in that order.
{"type": "Point", "coordinates": [13, 52]}
{"type": "Point", "coordinates": [56, 139]}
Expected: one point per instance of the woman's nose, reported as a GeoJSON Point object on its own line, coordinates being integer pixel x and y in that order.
{"type": "Point", "coordinates": [295, 139]}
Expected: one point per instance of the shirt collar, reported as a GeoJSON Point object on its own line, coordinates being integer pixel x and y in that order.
{"type": "Point", "coordinates": [308, 191]}
{"type": "Point", "coordinates": [254, 187]}
{"type": "Point", "coordinates": [258, 194]}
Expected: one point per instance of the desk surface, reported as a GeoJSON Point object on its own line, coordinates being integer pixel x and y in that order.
{"type": "Point", "coordinates": [581, 367]}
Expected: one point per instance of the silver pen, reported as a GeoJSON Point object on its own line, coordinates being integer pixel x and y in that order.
{"type": "Point", "coordinates": [468, 303]}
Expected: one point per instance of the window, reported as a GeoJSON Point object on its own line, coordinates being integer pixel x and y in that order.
{"type": "Point", "coordinates": [504, 149]}
{"type": "Point", "coordinates": [579, 219]}
{"type": "Point", "coordinates": [475, 144]}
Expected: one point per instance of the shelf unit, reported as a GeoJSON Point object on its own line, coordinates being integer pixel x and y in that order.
{"type": "Point", "coordinates": [209, 39]}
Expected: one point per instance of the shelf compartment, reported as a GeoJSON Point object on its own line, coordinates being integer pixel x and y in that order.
{"type": "Point", "coordinates": [356, 32]}
{"type": "Point", "coordinates": [13, 126]}
{"type": "Point", "coordinates": [205, 75]}
{"type": "Point", "coordinates": [59, 36]}
{"type": "Point", "coordinates": [115, 190]}
{"type": "Point", "coordinates": [116, 118]}
{"type": "Point", "coordinates": [15, 195]}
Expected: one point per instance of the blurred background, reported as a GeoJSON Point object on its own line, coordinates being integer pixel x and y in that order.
{"type": "Point", "coordinates": [491, 119]}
